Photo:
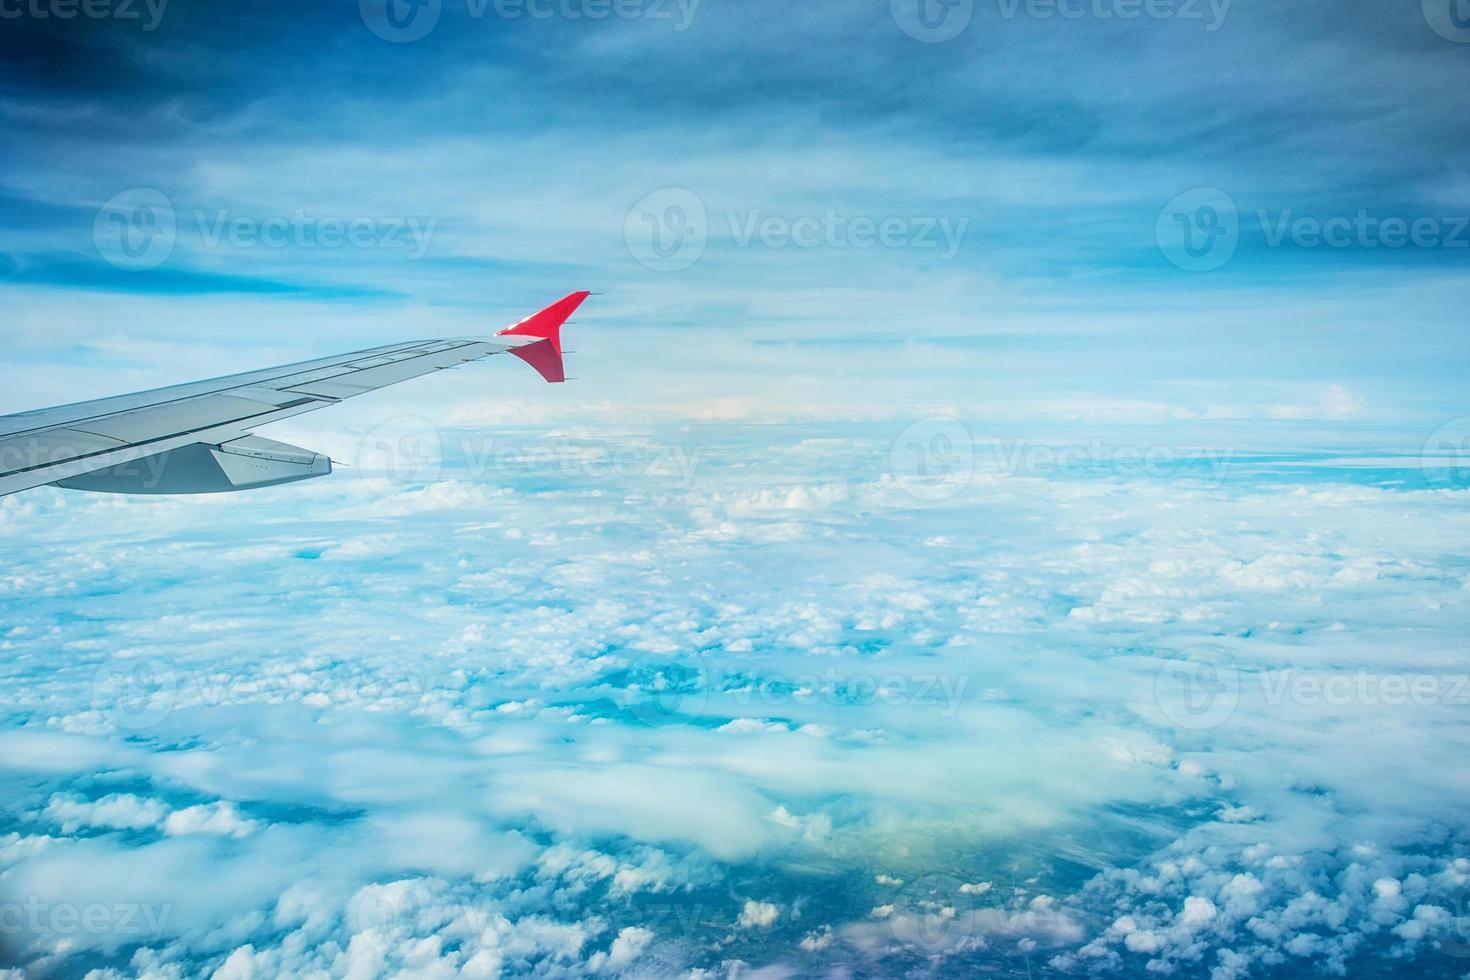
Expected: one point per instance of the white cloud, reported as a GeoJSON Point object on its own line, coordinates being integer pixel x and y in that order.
{"type": "Point", "coordinates": [1197, 911]}
{"type": "Point", "coordinates": [220, 819]}
{"type": "Point", "coordinates": [115, 811]}
{"type": "Point", "coordinates": [758, 915]}
{"type": "Point", "coordinates": [446, 702]}
{"type": "Point", "coordinates": [630, 943]}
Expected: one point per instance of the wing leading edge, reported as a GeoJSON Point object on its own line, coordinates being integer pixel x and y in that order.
{"type": "Point", "coordinates": [196, 438]}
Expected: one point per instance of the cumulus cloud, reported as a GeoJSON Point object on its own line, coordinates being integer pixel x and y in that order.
{"type": "Point", "coordinates": [220, 819]}
{"type": "Point", "coordinates": [115, 811]}
{"type": "Point", "coordinates": [499, 752]}
{"type": "Point", "coordinates": [630, 943]}
{"type": "Point", "coordinates": [758, 915]}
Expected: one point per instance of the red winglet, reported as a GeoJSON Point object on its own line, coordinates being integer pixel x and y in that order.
{"type": "Point", "coordinates": [548, 322]}
{"type": "Point", "coordinates": [545, 356]}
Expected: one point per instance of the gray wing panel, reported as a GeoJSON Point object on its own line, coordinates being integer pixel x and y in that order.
{"type": "Point", "coordinates": [42, 447]}
{"type": "Point", "coordinates": [62, 414]}
{"type": "Point", "coordinates": [378, 375]}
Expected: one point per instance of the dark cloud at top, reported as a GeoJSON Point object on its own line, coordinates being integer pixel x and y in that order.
{"type": "Point", "coordinates": [1268, 82]}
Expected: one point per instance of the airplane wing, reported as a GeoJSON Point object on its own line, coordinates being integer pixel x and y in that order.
{"type": "Point", "coordinates": [196, 438]}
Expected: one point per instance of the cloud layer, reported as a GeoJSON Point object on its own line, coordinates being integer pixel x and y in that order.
{"type": "Point", "coordinates": [812, 713]}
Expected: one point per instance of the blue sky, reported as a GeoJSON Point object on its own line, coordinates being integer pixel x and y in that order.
{"type": "Point", "coordinates": [1010, 515]}
{"type": "Point", "coordinates": [531, 146]}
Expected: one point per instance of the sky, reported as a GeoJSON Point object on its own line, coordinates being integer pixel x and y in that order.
{"type": "Point", "coordinates": [1009, 515]}
{"type": "Point", "coordinates": [1025, 170]}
